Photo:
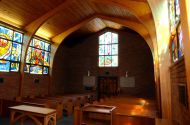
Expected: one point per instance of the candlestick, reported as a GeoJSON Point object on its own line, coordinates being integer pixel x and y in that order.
{"type": "Point", "coordinates": [126, 75]}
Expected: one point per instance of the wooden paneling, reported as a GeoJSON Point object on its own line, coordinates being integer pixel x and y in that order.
{"type": "Point", "coordinates": [22, 12]}
{"type": "Point", "coordinates": [98, 24]}
{"type": "Point", "coordinates": [94, 26]}
{"type": "Point", "coordinates": [111, 10]}
{"type": "Point", "coordinates": [113, 25]}
{"type": "Point", "coordinates": [178, 78]}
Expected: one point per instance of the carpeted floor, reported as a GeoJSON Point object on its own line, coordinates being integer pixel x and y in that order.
{"type": "Point", "coordinates": [64, 121]}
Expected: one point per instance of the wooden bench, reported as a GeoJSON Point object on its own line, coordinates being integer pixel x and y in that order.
{"type": "Point", "coordinates": [22, 112]}
{"type": "Point", "coordinates": [57, 105]}
{"type": "Point", "coordinates": [5, 104]}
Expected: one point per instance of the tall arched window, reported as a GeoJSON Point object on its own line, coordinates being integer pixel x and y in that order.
{"type": "Point", "coordinates": [108, 50]}
{"type": "Point", "coordinates": [10, 49]}
{"type": "Point", "coordinates": [38, 57]}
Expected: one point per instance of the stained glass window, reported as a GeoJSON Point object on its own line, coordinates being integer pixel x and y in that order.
{"type": "Point", "coordinates": [174, 14]}
{"type": "Point", "coordinates": [177, 11]}
{"type": "Point", "coordinates": [36, 69]}
{"type": "Point", "coordinates": [108, 50]}
{"type": "Point", "coordinates": [174, 50]}
{"type": "Point", "coordinates": [10, 49]}
{"type": "Point", "coordinates": [38, 57]}
{"type": "Point", "coordinates": [180, 41]}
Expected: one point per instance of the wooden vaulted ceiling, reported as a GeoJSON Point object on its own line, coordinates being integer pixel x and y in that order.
{"type": "Point", "coordinates": [97, 15]}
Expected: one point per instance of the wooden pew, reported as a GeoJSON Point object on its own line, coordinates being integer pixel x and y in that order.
{"type": "Point", "coordinates": [70, 101]}
{"type": "Point", "coordinates": [67, 103]}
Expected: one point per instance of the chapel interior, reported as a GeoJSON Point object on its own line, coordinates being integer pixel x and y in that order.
{"type": "Point", "coordinates": [94, 62]}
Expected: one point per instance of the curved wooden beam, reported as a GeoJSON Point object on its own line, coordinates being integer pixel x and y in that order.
{"type": "Point", "coordinates": [138, 27]}
{"type": "Point", "coordinates": [140, 10]}
{"type": "Point", "coordinates": [162, 57]}
{"type": "Point", "coordinates": [31, 30]}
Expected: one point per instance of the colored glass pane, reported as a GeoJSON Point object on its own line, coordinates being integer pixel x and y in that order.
{"type": "Point", "coordinates": [172, 14]}
{"type": "Point", "coordinates": [108, 38]}
{"type": "Point", "coordinates": [16, 52]}
{"type": "Point", "coordinates": [101, 39]}
{"type": "Point", "coordinates": [27, 68]}
{"type": "Point", "coordinates": [114, 49]}
{"type": "Point", "coordinates": [108, 61]}
{"type": "Point", "coordinates": [47, 47]}
{"type": "Point", "coordinates": [14, 67]}
{"type": "Point", "coordinates": [5, 49]}
{"type": "Point", "coordinates": [38, 44]}
{"type": "Point", "coordinates": [114, 38]}
{"type": "Point", "coordinates": [4, 66]}
{"type": "Point", "coordinates": [114, 61]}
{"type": "Point", "coordinates": [17, 37]}
{"type": "Point", "coordinates": [10, 49]}
{"type": "Point", "coordinates": [6, 33]}
{"type": "Point", "coordinates": [101, 61]}
{"type": "Point", "coordinates": [36, 69]}
{"type": "Point", "coordinates": [46, 70]}
{"type": "Point", "coordinates": [37, 56]}
{"type": "Point", "coordinates": [180, 38]}
{"type": "Point", "coordinates": [174, 49]}
{"type": "Point", "coordinates": [177, 10]}
{"type": "Point", "coordinates": [101, 49]}
{"type": "Point", "coordinates": [46, 59]}
{"type": "Point", "coordinates": [28, 56]}
{"type": "Point", "coordinates": [107, 49]}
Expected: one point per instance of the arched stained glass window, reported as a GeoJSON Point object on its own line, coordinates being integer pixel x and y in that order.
{"type": "Point", "coordinates": [108, 50]}
{"type": "Point", "coordinates": [10, 49]}
{"type": "Point", "coordinates": [38, 57]}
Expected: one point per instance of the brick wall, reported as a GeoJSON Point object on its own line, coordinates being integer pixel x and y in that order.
{"type": "Point", "coordinates": [72, 63]}
{"type": "Point", "coordinates": [9, 89]}
{"type": "Point", "coordinates": [10, 86]}
{"type": "Point", "coordinates": [35, 85]}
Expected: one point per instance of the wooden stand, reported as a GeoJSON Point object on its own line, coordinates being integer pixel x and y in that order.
{"type": "Point", "coordinates": [97, 115]}
{"type": "Point", "coordinates": [41, 116]}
